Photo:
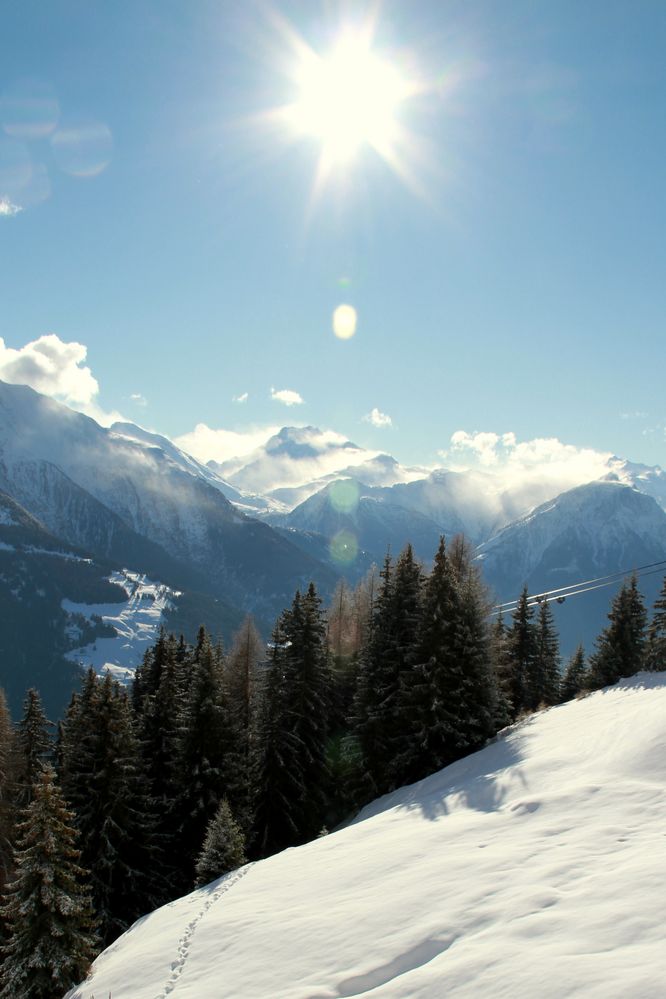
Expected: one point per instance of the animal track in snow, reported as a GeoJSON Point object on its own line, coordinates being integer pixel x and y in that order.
{"type": "Point", "coordinates": [185, 942]}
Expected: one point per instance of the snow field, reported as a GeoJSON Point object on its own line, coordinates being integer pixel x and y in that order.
{"type": "Point", "coordinates": [136, 621]}
{"type": "Point", "coordinates": [534, 868]}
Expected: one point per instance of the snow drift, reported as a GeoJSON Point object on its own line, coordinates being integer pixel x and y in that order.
{"type": "Point", "coordinates": [532, 868]}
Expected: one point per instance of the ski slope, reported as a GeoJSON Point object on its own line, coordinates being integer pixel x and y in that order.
{"type": "Point", "coordinates": [534, 868]}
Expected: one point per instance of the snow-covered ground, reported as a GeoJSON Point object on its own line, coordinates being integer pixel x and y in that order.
{"type": "Point", "coordinates": [136, 620]}
{"type": "Point", "coordinates": [535, 868]}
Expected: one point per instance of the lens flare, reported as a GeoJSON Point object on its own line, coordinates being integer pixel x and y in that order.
{"type": "Point", "coordinates": [343, 495]}
{"type": "Point", "coordinates": [29, 109]}
{"type": "Point", "coordinates": [344, 322]}
{"type": "Point", "coordinates": [343, 548]}
{"type": "Point", "coordinates": [82, 148]}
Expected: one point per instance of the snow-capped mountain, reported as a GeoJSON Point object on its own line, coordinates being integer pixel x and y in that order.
{"type": "Point", "coordinates": [532, 868]}
{"type": "Point", "coordinates": [591, 531]}
{"type": "Point", "coordinates": [298, 461]}
{"type": "Point", "coordinates": [92, 485]}
{"type": "Point", "coordinates": [368, 516]}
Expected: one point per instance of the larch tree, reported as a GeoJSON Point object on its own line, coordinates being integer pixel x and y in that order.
{"type": "Point", "coordinates": [243, 693]}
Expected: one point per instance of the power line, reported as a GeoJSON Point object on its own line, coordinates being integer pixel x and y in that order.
{"type": "Point", "coordinates": [561, 593]}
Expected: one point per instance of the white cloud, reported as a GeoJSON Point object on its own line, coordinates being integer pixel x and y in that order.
{"type": "Point", "coordinates": [138, 399]}
{"type": "Point", "coordinates": [287, 396]}
{"type": "Point", "coordinates": [243, 397]}
{"type": "Point", "coordinates": [378, 419]}
{"type": "Point", "coordinates": [50, 366]}
{"type": "Point", "coordinates": [206, 444]}
{"type": "Point", "coordinates": [56, 368]}
{"type": "Point", "coordinates": [636, 415]}
{"type": "Point", "coordinates": [8, 207]}
{"type": "Point", "coordinates": [543, 464]}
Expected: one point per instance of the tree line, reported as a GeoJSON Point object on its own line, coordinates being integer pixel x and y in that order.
{"type": "Point", "coordinates": [212, 757]}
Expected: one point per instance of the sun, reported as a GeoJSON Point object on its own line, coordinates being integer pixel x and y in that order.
{"type": "Point", "coordinates": [349, 99]}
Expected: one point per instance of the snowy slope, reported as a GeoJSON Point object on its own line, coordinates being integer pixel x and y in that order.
{"type": "Point", "coordinates": [534, 868]}
{"type": "Point", "coordinates": [136, 623]}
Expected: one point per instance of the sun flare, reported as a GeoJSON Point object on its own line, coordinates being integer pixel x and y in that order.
{"type": "Point", "coordinates": [349, 99]}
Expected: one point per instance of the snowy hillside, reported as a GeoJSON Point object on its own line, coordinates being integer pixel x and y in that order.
{"type": "Point", "coordinates": [534, 868]}
{"type": "Point", "coordinates": [136, 623]}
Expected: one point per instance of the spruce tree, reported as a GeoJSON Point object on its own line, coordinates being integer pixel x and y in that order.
{"type": "Point", "coordinates": [7, 789]}
{"type": "Point", "coordinates": [48, 910]}
{"type": "Point", "coordinates": [223, 848]}
{"type": "Point", "coordinates": [293, 776]}
{"type": "Point", "coordinates": [206, 749]}
{"type": "Point", "coordinates": [502, 664]}
{"type": "Point", "coordinates": [161, 729]}
{"type": "Point", "coordinates": [575, 676]}
{"type": "Point", "coordinates": [523, 652]}
{"type": "Point", "coordinates": [34, 745]}
{"type": "Point", "coordinates": [280, 778]}
{"type": "Point", "coordinates": [104, 782]}
{"type": "Point", "coordinates": [655, 658]}
{"type": "Point", "coordinates": [620, 649]}
{"type": "Point", "coordinates": [543, 673]}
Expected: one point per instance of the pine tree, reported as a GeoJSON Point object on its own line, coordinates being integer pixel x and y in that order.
{"type": "Point", "coordinates": [655, 658]}
{"type": "Point", "coordinates": [223, 848]}
{"type": "Point", "coordinates": [523, 651]}
{"type": "Point", "coordinates": [48, 909]}
{"type": "Point", "coordinates": [575, 676]}
{"type": "Point", "coordinates": [543, 675]}
{"type": "Point", "coordinates": [620, 649]}
{"type": "Point", "coordinates": [34, 745]}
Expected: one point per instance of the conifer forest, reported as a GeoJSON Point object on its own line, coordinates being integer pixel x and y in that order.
{"type": "Point", "coordinates": [216, 756]}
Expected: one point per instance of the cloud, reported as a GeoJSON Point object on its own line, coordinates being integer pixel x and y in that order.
{"type": "Point", "coordinates": [378, 419]}
{"type": "Point", "coordinates": [543, 466]}
{"type": "Point", "coordinates": [51, 366]}
{"type": "Point", "coordinates": [636, 415]}
{"type": "Point", "coordinates": [287, 396]}
{"type": "Point", "coordinates": [55, 368]}
{"type": "Point", "coordinates": [138, 399]}
{"type": "Point", "coordinates": [8, 207]}
{"type": "Point", "coordinates": [243, 397]}
{"type": "Point", "coordinates": [206, 444]}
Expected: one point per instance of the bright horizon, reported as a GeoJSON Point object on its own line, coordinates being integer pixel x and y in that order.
{"type": "Point", "coordinates": [435, 230]}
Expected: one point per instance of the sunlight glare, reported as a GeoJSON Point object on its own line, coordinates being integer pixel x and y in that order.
{"type": "Point", "coordinates": [348, 99]}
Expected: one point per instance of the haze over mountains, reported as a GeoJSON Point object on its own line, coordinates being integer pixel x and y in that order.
{"type": "Point", "coordinates": [242, 536]}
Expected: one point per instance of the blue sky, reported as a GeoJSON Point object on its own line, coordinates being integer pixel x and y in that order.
{"type": "Point", "coordinates": [519, 289]}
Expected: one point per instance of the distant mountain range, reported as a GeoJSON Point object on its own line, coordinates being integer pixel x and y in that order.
{"type": "Point", "coordinates": [104, 505]}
